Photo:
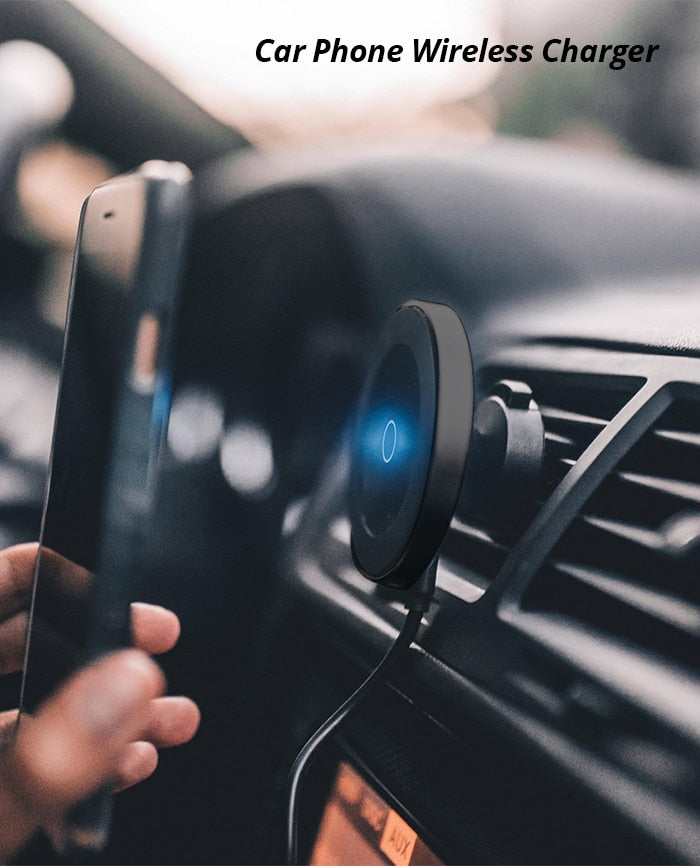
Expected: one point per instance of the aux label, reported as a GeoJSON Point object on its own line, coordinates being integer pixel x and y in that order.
{"type": "Point", "coordinates": [398, 839]}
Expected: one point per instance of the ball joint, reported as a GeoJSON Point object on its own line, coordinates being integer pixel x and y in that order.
{"type": "Point", "coordinates": [506, 454]}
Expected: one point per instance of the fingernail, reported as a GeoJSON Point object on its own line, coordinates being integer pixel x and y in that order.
{"type": "Point", "coordinates": [115, 689]}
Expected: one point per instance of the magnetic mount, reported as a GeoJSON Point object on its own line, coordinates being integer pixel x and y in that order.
{"type": "Point", "coordinates": [411, 443]}
{"type": "Point", "coordinates": [506, 455]}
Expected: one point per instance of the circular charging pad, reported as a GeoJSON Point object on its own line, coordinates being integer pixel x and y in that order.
{"type": "Point", "coordinates": [411, 443]}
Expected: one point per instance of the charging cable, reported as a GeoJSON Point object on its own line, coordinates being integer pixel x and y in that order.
{"type": "Point", "coordinates": [419, 602]}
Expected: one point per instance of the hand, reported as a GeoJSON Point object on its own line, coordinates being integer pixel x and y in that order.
{"type": "Point", "coordinates": [104, 724]}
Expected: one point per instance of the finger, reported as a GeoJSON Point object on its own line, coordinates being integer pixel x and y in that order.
{"type": "Point", "coordinates": [74, 743]}
{"type": "Point", "coordinates": [16, 573]}
{"type": "Point", "coordinates": [68, 578]}
{"type": "Point", "coordinates": [172, 721]}
{"type": "Point", "coordinates": [54, 655]}
{"type": "Point", "coordinates": [13, 634]}
{"type": "Point", "coordinates": [8, 723]}
{"type": "Point", "coordinates": [65, 592]}
{"type": "Point", "coordinates": [64, 584]}
{"type": "Point", "coordinates": [138, 761]}
{"type": "Point", "coordinates": [154, 629]}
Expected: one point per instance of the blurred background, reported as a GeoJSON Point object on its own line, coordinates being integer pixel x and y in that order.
{"type": "Point", "coordinates": [207, 50]}
{"type": "Point", "coordinates": [140, 79]}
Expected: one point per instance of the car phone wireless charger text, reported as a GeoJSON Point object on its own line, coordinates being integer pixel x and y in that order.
{"type": "Point", "coordinates": [410, 450]}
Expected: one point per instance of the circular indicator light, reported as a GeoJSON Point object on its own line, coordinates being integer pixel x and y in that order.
{"type": "Point", "coordinates": [389, 441]}
{"type": "Point", "coordinates": [404, 486]}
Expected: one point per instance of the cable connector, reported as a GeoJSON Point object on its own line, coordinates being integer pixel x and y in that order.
{"type": "Point", "coordinates": [421, 593]}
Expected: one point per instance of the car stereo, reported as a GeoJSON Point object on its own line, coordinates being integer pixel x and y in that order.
{"type": "Point", "coordinates": [359, 826]}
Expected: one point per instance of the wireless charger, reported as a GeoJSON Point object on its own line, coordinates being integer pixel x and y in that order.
{"type": "Point", "coordinates": [410, 451]}
{"type": "Point", "coordinates": [411, 443]}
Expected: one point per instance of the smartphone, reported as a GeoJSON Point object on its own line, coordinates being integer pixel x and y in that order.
{"type": "Point", "coordinates": [111, 416]}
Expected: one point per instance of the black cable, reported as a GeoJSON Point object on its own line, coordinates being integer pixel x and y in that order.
{"type": "Point", "coordinates": [418, 604]}
{"type": "Point", "coordinates": [404, 639]}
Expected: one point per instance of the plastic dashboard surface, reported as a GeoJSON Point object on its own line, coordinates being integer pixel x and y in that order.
{"type": "Point", "coordinates": [569, 639]}
{"type": "Point", "coordinates": [591, 667]}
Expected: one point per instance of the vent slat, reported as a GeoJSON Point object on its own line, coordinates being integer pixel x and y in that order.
{"type": "Point", "coordinates": [555, 469]}
{"type": "Point", "coordinates": [676, 539]}
{"type": "Point", "coordinates": [558, 447]}
{"type": "Point", "coordinates": [564, 416]}
{"type": "Point", "coordinates": [474, 548]}
{"type": "Point", "coordinates": [628, 564]}
{"type": "Point", "coordinates": [556, 439]}
{"type": "Point", "coordinates": [646, 538]}
{"type": "Point", "coordinates": [668, 609]}
{"type": "Point", "coordinates": [679, 436]}
{"type": "Point", "coordinates": [686, 490]}
{"type": "Point", "coordinates": [458, 528]}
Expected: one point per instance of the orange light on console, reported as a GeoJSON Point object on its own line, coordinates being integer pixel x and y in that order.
{"type": "Point", "coordinates": [359, 826]}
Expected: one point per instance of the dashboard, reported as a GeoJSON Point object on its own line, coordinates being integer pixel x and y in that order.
{"type": "Point", "coordinates": [549, 710]}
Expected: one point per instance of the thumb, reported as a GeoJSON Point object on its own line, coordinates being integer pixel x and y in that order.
{"type": "Point", "coordinates": [73, 744]}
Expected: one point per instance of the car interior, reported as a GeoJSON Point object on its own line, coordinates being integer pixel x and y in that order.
{"type": "Point", "coordinates": [549, 709]}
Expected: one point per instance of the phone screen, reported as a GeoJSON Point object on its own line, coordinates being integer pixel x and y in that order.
{"type": "Point", "coordinates": [98, 344]}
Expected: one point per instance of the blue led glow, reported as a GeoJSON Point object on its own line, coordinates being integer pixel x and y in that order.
{"type": "Point", "coordinates": [387, 439]}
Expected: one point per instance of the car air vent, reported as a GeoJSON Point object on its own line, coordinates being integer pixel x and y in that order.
{"type": "Point", "coordinates": [629, 563]}
{"type": "Point", "coordinates": [575, 409]}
